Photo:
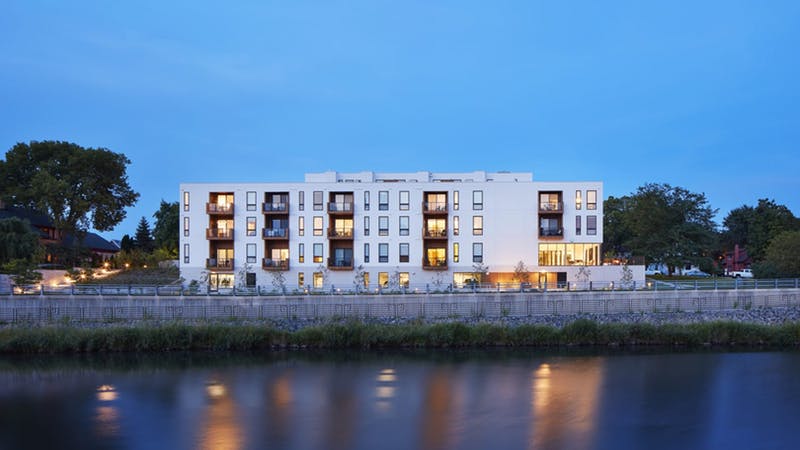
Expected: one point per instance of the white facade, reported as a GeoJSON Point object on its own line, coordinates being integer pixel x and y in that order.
{"type": "Point", "coordinates": [493, 219]}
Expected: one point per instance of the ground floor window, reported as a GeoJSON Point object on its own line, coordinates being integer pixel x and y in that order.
{"type": "Point", "coordinates": [383, 279]}
{"type": "Point", "coordinates": [403, 279]}
{"type": "Point", "coordinates": [219, 280]}
{"type": "Point", "coordinates": [319, 279]}
{"type": "Point", "coordinates": [569, 254]}
{"type": "Point", "coordinates": [250, 279]}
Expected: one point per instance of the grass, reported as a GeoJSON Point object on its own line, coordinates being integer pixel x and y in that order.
{"type": "Point", "coordinates": [360, 335]}
{"type": "Point", "coordinates": [150, 276]}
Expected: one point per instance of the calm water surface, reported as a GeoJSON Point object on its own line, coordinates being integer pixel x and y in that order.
{"type": "Point", "coordinates": [439, 400]}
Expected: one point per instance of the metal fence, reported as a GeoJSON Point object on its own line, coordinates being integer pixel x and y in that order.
{"type": "Point", "coordinates": [411, 289]}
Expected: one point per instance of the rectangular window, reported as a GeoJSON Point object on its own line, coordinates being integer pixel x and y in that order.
{"type": "Point", "coordinates": [477, 252]}
{"type": "Point", "coordinates": [383, 226]}
{"type": "Point", "coordinates": [591, 200]}
{"type": "Point", "coordinates": [186, 226]}
{"type": "Point", "coordinates": [251, 201]}
{"type": "Point", "coordinates": [477, 225]}
{"type": "Point", "coordinates": [366, 200]}
{"type": "Point", "coordinates": [477, 200]}
{"type": "Point", "coordinates": [317, 200]}
{"type": "Point", "coordinates": [383, 253]}
{"type": "Point", "coordinates": [455, 200]}
{"type": "Point", "coordinates": [591, 224]}
{"type": "Point", "coordinates": [455, 251]}
{"type": "Point", "coordinates": [404, 253]}
{"type": "Point", "coordinates": [301, 253]}
{"type": "Point", "coordinates": [186, 253]}
{"type": "Point", "coordinates": [251, 253]}
{"type": "Point", "coordinates": [403, 279]}
{"type": "Point", "coordinates": [404, 220]}
{"type": "Point", "coordinates": [317, 253]}
{"type": "Point", "coordinates": [366, 252]}
{"type": "Point", "coordinates": [185, 201]}
{"type": "Point", "coordinates": [404, 200]}
{"type": "Point", "coordinates": [383, 279]}
{"type": "Point", "coordinates": [578, 200]}
{"type": "Point", "coordinates": [366, 280]}
{"type": "Point", "coordinates": [577, 225]}
{"type": "Point", "coordinates": [455, 226]}
{"type": "Point", "coordinates": [366, 226]}
{"type": "Point", "coordinates": [301, 226]}
{"type": "Point", "coordinates": [383, 200]}
{"type": "Point", "coordinates": [301, 279]}
{"type": "Point", "coordinates": [318, 280]}
{"type": "Point", "coordinates": [251, 226]}
{"type": "Point", "coordinates": [317, 225]}
{"type": "Point", "coordinates": [301, 200]}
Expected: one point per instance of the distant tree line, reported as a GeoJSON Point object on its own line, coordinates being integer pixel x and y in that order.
{"type": "Point", "coordinates": [673, 226]}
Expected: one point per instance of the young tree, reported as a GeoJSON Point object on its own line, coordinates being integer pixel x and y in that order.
{"type": "Point", "coordinates": [79, 188]}
{"type": "Point", "coordinates": [143, 238]}
{"type": "Point", "coordinates": [781, 259]}
{"type": "Point", "coordinates": [22, 271]}
{"type": "Point", "coordinates": [17, 241]}
{"type": "Point", "coordinates": [167, 227]}
{"type": "Point", "coordinates": [521, 273]}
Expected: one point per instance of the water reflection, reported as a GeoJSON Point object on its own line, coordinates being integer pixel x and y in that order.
{"type": "Point", "coordinates": [220, 429]}
{"type": "Point", "coordinates": [564, 398]}
{"type": "Point", "coordinates": [385, 390]}
{"type": "Point", "coordinates": [437, 409]}
{"type": "Point", "coordinates": [107, 416]}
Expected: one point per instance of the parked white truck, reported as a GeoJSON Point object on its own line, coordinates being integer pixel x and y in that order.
{"type": "Point", "coordinates": [744, 273]}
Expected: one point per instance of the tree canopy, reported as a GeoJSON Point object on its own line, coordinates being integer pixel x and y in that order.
{"type": "Point", "coordinates": [143, 238]}
{"type": "Point", "coordinates": [165, 232]}
{"type": "Point", "coordinates": [665, 224]}
{"type": "Point", "coordinates": [780, 258]}
{"type": "Point", "coordinates": [17, 240]}
{"type": "Point", "coordinates": [755, 227]}
{"type": "Point", "coordinates": [79, 188]}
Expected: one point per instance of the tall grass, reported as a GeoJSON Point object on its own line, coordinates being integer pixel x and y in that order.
{"type": "Point", "coordinates": [360, 335]}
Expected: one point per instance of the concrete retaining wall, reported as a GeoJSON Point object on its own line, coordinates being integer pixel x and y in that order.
{"type": "Point", "coordinates": [44, 309]}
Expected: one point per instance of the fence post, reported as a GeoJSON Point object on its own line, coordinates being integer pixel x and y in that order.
{"type": "Point", "coordinates": [590, 286]}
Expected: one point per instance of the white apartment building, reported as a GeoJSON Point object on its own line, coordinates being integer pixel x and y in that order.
{"type": "Point", "coordinates": [412, 229]}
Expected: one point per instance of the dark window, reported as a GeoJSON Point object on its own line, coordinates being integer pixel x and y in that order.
{"type": "Point", "coordinates": [383, 226]}
{"type": "Point", "coordinates": [477, 252]}
{"type": "Point", "coordinates": [477, 200]}
{"type": "Point", "coordinates": [591, 225]}
{"type": "Point", "coordinates": [366, 252]}
{"type": "Point", "coordinates": [318, 201]}
{"type": "Point", "coordinates": [404, 200]}
{"type": "Point", "coordinates": [404, 225]}
{"type": "Point", "coordinates": [383, 253]}
{"type": "Point", "coordinates": [404, 252]}
{"type": "Point", "coordinates": [383, 200]}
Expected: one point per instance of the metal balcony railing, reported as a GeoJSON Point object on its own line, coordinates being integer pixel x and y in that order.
{"type": "Point", "coordinates": [342, 233]}
{"type": "Point", "coordinates": [434, 207]}
{"type": "Point", "coordinates": [219, 233]}
{"type": "Point", "coordinates": [551, 207]}
{"type": "Point", "coordinates": [551, 232]}
{"type": "Point", "coordinates": [219, 208]}
{"type": "Point", "coordinates": [341, 207]}
{"type": "Point", "coordinates": [275, 207]}
{"type": "Point", "coordinates": [275, 233]}
{"type": "Point", "coordinates": [219, 264]}
{"type": "Point", "coordinates": [275, 264]}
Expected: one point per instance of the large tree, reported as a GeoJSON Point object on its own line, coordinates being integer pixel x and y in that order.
{"type": "Point", "coordinates": [780, 259]}
{"type": "Point", "coordinates": [165, 231]}
{"type": "Point", "coordinates": [79, 188]}
{"type": "Point", "coordinates": [754, 227]}
{"type": "Point", "coordinates": [18, 241]}
{"type": "Point", "coordinates": [665, 224]}
{"type": "Point", "coordinates": [143, 238]}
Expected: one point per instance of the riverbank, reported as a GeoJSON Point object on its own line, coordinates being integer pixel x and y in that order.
{"type": "Point", "coordinates": [353, 334]}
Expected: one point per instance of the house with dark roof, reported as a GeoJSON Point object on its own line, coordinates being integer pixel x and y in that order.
{"type": "Point", "coordinates": [50, 236]}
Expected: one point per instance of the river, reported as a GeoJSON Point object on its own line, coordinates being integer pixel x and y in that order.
{"type": "Point", "coordinates": [403, 400]}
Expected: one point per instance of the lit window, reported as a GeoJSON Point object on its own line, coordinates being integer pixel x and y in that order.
{"type": "Point", "coordinates": [455, 200]}
{"type": "Point", "coordinates": [251, 226]}
{"type": "Point", "coordinates": [383, 226]}
{"type": "Point", "coordinates": [301, 253]}
{"type": "Point", "coordinates": [404, 200]}
{"type": "Point", "coordinates": [301, 280]}
{"type": "Point", "coordinates": [477, 200]}
{"type": "Point", "coordinates": [317, 253]}
{"type": "Point", "coordinates": [383, 253]}
{"type": "Point", "coordinates": [319, 279]}
{"type": "Point", "coordinates": [404, 252]}
{"type": "Point", "coordinates": [301, 200]}
{"type": "Point", "coordinates": [403, 279]}
{"type": "Point", "coordinates": [591, 200]}
{"type": "Point", "coordinates": [455, 225]}
{"type": "Point", "coordinates": [404, 225]}
{"type": "Point", "coordinates": [383, 279]}
{"type": "Point", "coordinates": [317, 225]}
{"type": "Point", "coordinates": [578, 200]}
{"type": "Point", "coordinates": [301, 226]}
{"type": "Point", "coordinates": [185, 201]}
{"type": "Point", "coordinates": [455, 251]}
{"type": "Point", "coordinates": [477, 252]}
{"type": "Point", "coordinates": [383, 200]}
{"type": "Point", "coordinates": [477, 225]}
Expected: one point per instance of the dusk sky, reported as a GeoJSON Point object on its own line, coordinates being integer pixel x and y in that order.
{"type": "Point", "coordinates": [702, 95]}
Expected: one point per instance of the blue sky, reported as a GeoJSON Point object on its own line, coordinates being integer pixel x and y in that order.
{"type": "Point", "coordinates": [702, 95]}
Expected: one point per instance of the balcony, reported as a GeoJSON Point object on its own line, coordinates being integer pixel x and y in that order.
{"type": "Point", "coordinates": [552, 233]}
{"type": "Point", "coordinates": [340, 207]}
{"type": "Point", "coordinates": [434, 264]}
{"type": "Point", "coordinates": [219, 264]}
{"type": "Point", "coordinates": [219, 209]}
{"type": "Point", "coordinates": [275, 233]}
{"type": "Point", "coordinates": [434, 207]}
{"type": "Point", "coordinates": [275, 208]}
{"type": "Point", "coordinates": [551, 207]}
{"type": "Point", "coordinates": [434, 233]}
{"type": "Point", "coordinates": [340, 233]}
{"type": "Point", "coordinates": [275, 264]}
{"type": "Point", "coordinates": [219, 234]}
{"type": "Point", "coordinates": [340, 264]}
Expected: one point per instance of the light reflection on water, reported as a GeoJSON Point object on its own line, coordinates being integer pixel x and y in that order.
{"type": "Point", "coordinates": [398, 401]}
